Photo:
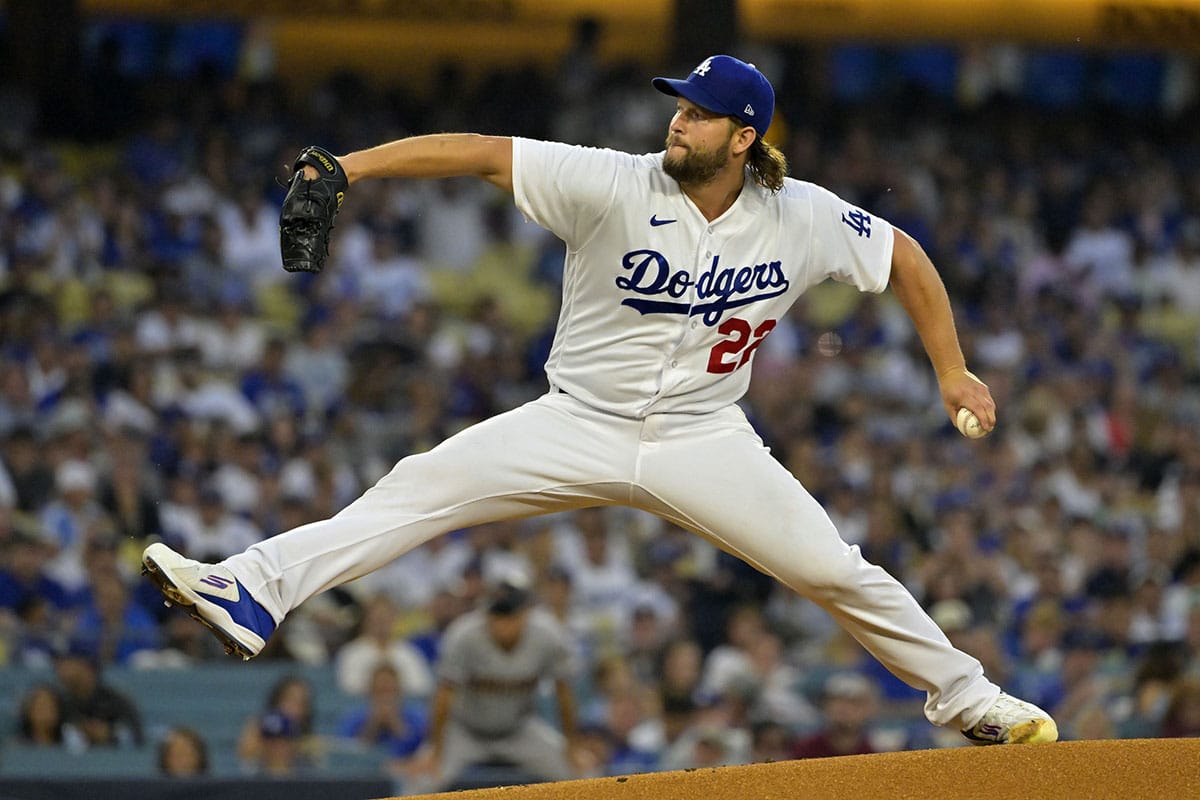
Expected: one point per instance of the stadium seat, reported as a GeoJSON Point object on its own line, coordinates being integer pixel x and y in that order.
{"type": "Point", "coordinates": [17, 760]}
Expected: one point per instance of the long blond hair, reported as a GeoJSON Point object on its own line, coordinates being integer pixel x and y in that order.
{"type": "Point", "coordinates": [767, 164]}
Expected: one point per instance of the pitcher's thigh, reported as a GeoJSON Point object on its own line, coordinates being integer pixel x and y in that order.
{"type": "Point", "coordinates": [533, 459]}
{"type": "Point", "coordinates": [731, 490]}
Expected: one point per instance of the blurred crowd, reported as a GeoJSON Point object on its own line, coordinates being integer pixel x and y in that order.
{"type": "Point", "coordinates": [161, 377]}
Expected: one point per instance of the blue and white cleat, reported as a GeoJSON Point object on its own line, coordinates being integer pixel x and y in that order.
{"type": "Point", "coordinates": [1013, 721]}
{"type": "Point", "coordinates": [213, 597]}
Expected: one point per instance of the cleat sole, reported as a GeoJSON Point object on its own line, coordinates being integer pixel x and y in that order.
{"type": "Point", "coordinates": [1036, 731]}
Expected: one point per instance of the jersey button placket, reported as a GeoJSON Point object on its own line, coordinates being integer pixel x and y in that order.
{"type": "Point", "coordinates": [704, 246]}
{"type": "Point", "coordinates": [689, 322]}
{"type": "Point", "coordinates": [707, 262]}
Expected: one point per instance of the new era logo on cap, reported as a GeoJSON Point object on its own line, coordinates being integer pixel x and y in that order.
{"type": "Point", "coordinates": [726, 85]}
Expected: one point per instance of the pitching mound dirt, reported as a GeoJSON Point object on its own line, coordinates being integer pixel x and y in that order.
{"type": "Point", "coordinates": [1128, 769]}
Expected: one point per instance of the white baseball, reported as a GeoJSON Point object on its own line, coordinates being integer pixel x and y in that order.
{"type": "Point", "coordinates": [968, 424]}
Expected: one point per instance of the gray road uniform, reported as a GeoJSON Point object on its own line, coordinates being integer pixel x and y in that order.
{"type": "Point", "coordinates": [494, 714]}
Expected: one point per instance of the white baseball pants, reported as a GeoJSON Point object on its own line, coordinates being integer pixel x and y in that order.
{"type": "Point", "coordinates": [708, 473]}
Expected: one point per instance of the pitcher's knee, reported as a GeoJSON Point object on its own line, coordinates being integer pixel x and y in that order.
{"type": "Point", "coordinates": [824, 578]}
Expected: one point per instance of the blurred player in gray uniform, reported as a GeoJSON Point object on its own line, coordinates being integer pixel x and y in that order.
{"type": "Point", "coordinates": [490, 666]}
{"type": "Point", "coordinates": [678, 264]}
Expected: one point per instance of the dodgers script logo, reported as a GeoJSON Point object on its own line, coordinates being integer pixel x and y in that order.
{"type": "Point", "coordinates": [731, 287]}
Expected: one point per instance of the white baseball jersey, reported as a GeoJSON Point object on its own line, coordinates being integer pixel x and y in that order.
{"type": "Point", "coordinates": [662, 310]}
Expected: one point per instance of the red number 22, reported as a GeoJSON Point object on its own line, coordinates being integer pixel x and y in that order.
{"type": "Point", "coordinates": [740, 341]}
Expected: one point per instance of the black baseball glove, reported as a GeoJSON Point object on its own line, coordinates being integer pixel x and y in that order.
{"type": "Point", "coordinates": [309, 209]}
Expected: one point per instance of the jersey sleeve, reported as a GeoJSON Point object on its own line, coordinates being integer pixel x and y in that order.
{"type": "Point", "coordinates": [849, 244]}
{"type": "Point", "coordinates": [566, 189]}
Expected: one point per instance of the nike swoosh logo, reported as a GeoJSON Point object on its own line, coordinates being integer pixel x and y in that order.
{"type": "Point", "coordinates": [655, 221]}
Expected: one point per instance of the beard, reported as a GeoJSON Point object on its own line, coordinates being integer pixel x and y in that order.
{"type": "Point", "coordinates": [695, 167]}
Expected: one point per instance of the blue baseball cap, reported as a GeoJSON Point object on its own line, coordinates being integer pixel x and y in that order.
{"type": "Point", "coordinates": [726, 85]}
{"type": "Point", "coordinates": [277, 725]}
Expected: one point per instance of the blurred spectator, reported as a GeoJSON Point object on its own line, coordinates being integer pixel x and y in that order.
{"type": "Point", "coordinates": [279, 752]}
{"type": "Point", "coordinates": [167, 326]}
{"type": "Point", "coordinates": [317, 363]}
{"type": "Point", "coordinates": [242, 471]}
{"type": "Point", "coordinates": [452, 226]}
{"type": "Point", "coordinates": [210, 532]}
{"type": "Point", "coordinates": [596, 554]}
{"type": "Point", "coordinates": [1182, 717]}
{"type": "Point", "coordinates": [250, 236]}
{"type": "Point", "coordinates": [1182, 598]}
{"type": "Point", "coordinates": [769, 690]}
{"type": "Point", "coordinates": [1093, 721]}
{"type": "Point", "coordinates": [391, 280]}
{"type": "Point", "coordinates": [205, 397]}
{"type": "Point", "coordinates": [648, 635]}
{"type": "Point", "coordinates": [72, 520]}
{"type": "Point", "coordinates": [1099, 251]}
{"type": "Point", "coordinates": [731, 659]}
{"type": "Point", "coordinates": [129, 498]}
{"type": "Point", "coordinates": [184, 643]}
{"type": "Point", "coordinates": [557, 596]}
{"type": "Point", "coordinates": [751, 665]}
{"type": "Point", "coordinates": [314, 474]}
{"type": "Point", "coordinates": [232, 339]}
{"type": "Point", "coordinates": [633, 731]}
{"type": "Point", "coordinates": [443, 609]}
{"type": "Point", "coordinates": [182, 753]}
{"type": "Point", "coordinates": [849, 703]}
{"type": "Point", "coordinates": [681, 670]}
{"type": "Point", "coordinates": [23, 577]}
{"type": "Point", "coordinates": [388, 720]}
{"type": "Point", "coordinates": [1191, 637]}
{"type": "Point", "coordinates": [596, 749]}
{"type": "Point", "coordinates": [610, 681]}
{"type": "Point", "coordinates": [40, 717]}
{"type": "Point", "coordinates": [155, 155]}
{"type": "Point", "coordinates": [378, 642]}
{"type": "Point", "coordinates": [103, 716]}
{"type": "Point", "coordinates": [113, 628]}
{"type": "Point", "coordinates": [770, 742]}
{"type": "Point", "coordinates": [31, 478]}
{"type": "Point", "coordinates": [1037, 671]}
{"type": "Point", "coordinates": [643, 738]}
{"type": "Point", "coordinates": [1159, 671]}
{"type": "Point", "coordinates": [268, 386]}
{"type": "Point", "coordinates": [712, 738]}
{"type": "Point", "coordinates": [288, 716]}
{"type": "Point", "coordinates": [1086, 684]}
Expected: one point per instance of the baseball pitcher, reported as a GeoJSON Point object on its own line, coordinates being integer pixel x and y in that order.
{"type": "Point", "coordinates": [679, 263]}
